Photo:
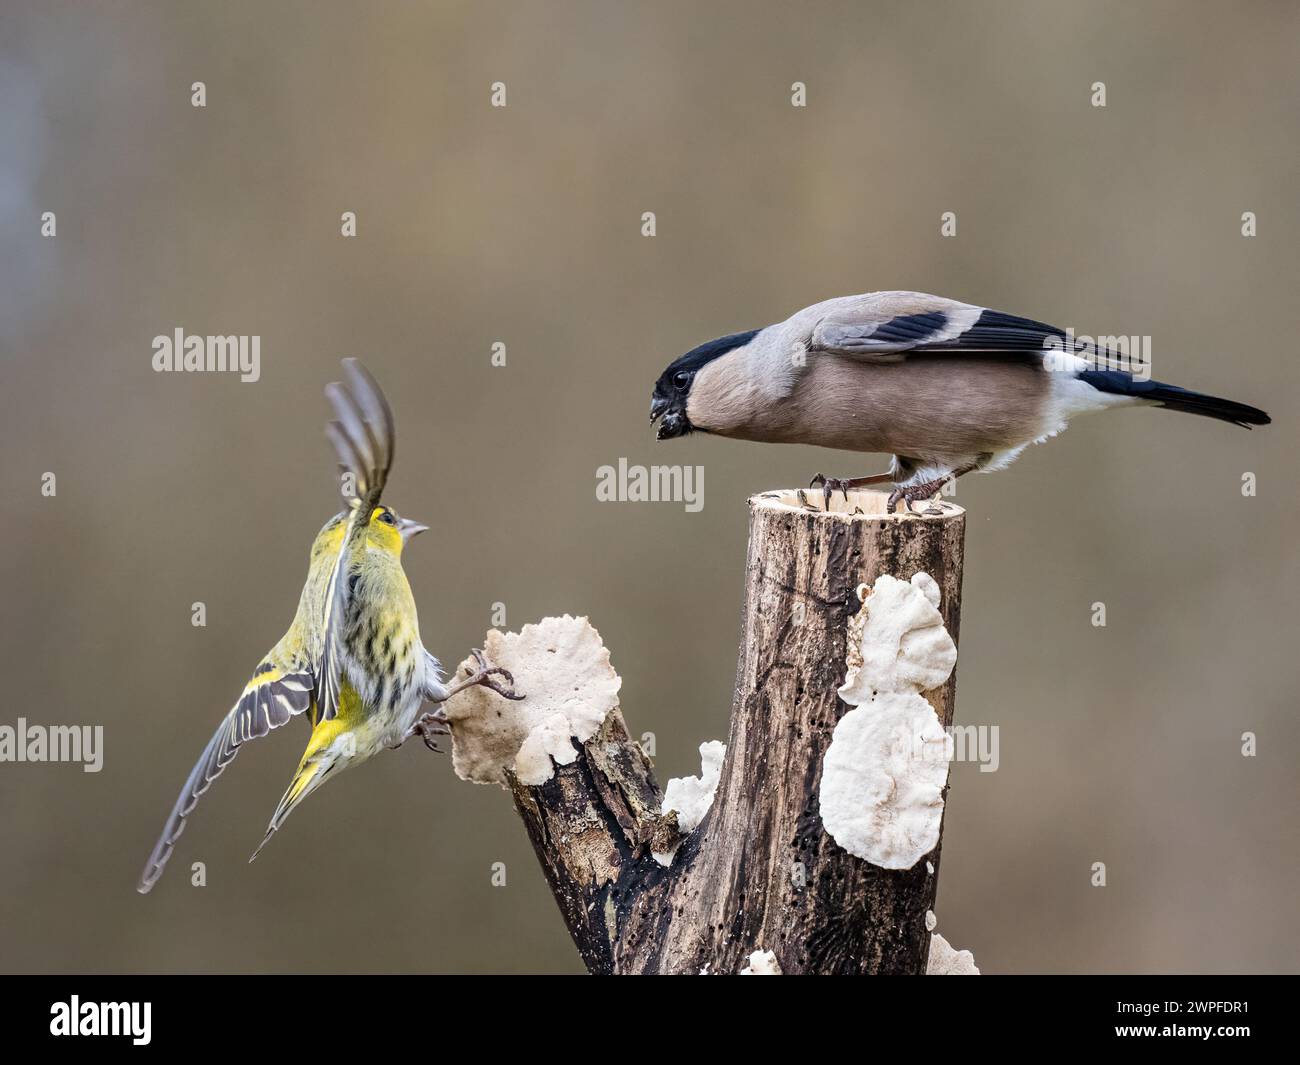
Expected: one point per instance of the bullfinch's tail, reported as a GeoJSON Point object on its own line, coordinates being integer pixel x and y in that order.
{"type": "Point", "coordinates": [1119, 383]}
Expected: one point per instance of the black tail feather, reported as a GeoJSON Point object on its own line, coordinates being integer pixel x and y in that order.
{"type": "Point", "coordinates": [1121, 384]}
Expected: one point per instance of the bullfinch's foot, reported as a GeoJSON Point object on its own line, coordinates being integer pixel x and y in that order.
{"type": "Point", "coordinates": [486, 675]}
{"type": "Point", "coordinates": [931, 489]}
{"type": "Point", "coordinates": [914, 494]}
{"type": "Point", "coordinates": [831, 485]}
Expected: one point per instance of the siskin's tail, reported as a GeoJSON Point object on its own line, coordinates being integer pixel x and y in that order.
{"type": "Point", "coordinates": [310, 775]}
{"type": "Point", "coordinates": [1119, 383]}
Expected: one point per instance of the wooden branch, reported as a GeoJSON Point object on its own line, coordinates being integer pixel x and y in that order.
{"type": "Point", "coordinates": [760, 872]}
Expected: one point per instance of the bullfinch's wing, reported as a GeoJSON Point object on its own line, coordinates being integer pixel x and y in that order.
{"type": "Point", "coordinates": [891, 326]}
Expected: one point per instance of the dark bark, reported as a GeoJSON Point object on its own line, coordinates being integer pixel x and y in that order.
{"type": "Point", "coordinates": [760, 872]}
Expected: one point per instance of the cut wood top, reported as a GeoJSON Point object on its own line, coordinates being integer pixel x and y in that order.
{"type": "Point", "coordinates": [862, 505]}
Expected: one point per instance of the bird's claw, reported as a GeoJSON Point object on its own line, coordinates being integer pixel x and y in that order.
{"type": "Point", "coordinates": [829, 486]}
{"type": "Point", "coordinates": [428, 728]}
{"type": "Point", "coordinates": [914, 494]}
{"type": "Point", "coordinates": [484, 676]}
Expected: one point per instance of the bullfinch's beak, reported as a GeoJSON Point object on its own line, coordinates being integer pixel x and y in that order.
{"type": "Point", "coordinates": [669, 427]}
{"type": "Point", "coordinates": [672, 419]}
{"type": "Point", "coordinates": [674, 424]}
{"type": "Point", "coordinates": [409, 528]}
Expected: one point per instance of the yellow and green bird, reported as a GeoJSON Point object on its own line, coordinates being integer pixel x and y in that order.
{"type": "Point", "coordinates": [352, 661]}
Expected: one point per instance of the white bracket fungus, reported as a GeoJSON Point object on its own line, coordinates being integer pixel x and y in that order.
{"type": "Point", "coordinates": [762, 963]}
{"type": "Point", "coordinates": [944, 961]}
{"type": "Point", "coordinates": [691, 797]}
{"type": "Point", "coordinates": [883, 776]}
{"type": "Point", "coordinates": [561, 667]}
{"type": "Point", "coordinates": [897, 641]}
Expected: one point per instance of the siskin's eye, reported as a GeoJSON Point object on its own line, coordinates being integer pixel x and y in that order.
{"type": "Point", "coordinates": [681, 379]}
{"type": "Point", "coordinates": [387, 518]}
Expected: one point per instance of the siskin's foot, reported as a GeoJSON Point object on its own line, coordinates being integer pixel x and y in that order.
{"type": "Point", "coordinates": [429, 727]}
{"type": "Point", "coordinates": [485, 675]}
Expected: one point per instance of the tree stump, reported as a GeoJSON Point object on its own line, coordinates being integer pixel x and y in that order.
{"type": "Point", "coordinates": [760, 872]}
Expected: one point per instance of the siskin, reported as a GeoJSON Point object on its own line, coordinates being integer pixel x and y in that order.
{"type": "Point", "coordinates": [352, 661]}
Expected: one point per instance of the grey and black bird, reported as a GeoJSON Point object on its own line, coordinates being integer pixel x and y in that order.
{"type": "Point", "coordinates": [946, 388]}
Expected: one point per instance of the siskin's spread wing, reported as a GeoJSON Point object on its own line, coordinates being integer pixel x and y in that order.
{"type": "Point", "coordinates": [272, 697]}
{"type": "Point", "coordinates": [364, 437]}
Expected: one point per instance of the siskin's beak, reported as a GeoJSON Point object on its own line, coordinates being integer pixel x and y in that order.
{"type": "Point", "coordinates": [409, 528]}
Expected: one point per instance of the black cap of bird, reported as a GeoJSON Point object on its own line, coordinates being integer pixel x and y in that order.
{"type": "Point", "coordinates": [946, 388]}
{"type": "Point", "coordinates": [351, 663]}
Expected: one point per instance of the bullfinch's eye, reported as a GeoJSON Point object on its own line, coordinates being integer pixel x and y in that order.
{"type": "Point", "coordinates": [681, 379]}
{"type": "Point", "coordinates": [387, 518]}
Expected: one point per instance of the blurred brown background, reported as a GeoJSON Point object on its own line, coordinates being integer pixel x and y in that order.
{"type": "Point", "coordinates": [1118, 744]}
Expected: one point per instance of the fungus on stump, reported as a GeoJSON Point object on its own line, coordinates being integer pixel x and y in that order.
{"type": "Point", "coordinates": [763, 871]}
